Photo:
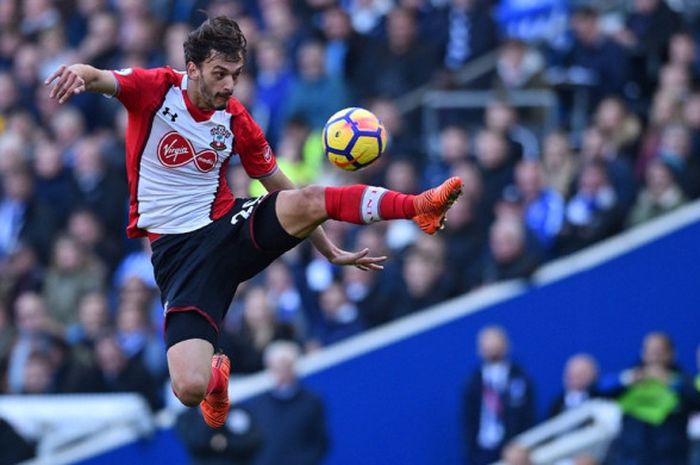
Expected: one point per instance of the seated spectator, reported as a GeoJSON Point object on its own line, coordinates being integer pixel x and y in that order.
{"type": "Point", "coordinates": [315, 95]}
{"type": "Point", "coordinates": [498, 401]}
{"type": "Point", "coordinates": [38, 374]}
{"type": "Point", "coordinates": [661, 195]}
{"type": "Point", "coordinates": [502, 118]}
{"type": "Point", "coordinates": [87, 230]}
{"type": "Point", "coordinates": [291, 418]}
{"type": "Point", "coordinates": [365, 290]}
{"type": "Point", "coordinates": [425, 280]}
{"type": "Point", "coordinates": [115, 372]}
{"type": "Point", "coordinates": [401, 62]}
{"type": "Point", "coordinates": [54, 183]}
{"type": "Point", "coordinates": [507, 256]}
{"type": "Point", "coordinates": [137, 339]}
{"type": "Point", "coordinates": [580, 378]}
{"type": "Point", "coordinates": [467, 31]}
{"type": "Point", "coordinates": [23, 217]}
{"type": "Point", "coordinates": [21, 272]}
{"type": "Point", "coordinates": [656, 398]}
{"type": "Point", "coordinates": [340, 317]}
{"type": "Point", "coordinates": [454, 148]}
{"type": "Point", "coordinates": [593, 61]}
{"type": "Point", "coordinates": [592, 214]}
{"type": "Point", "coordinates": [258, 329]}
{"type": "Point", "coordinates": [619, 128]}
{"type": "Point", "coordinates": [284, 297]}
{"type": "Point", "coordinates": [34, 330]}
{"type": "Point", "coordinates": [665, 110]}
{"type": "Point", "coordinates": [543, 206]}
{"type": "Point", "coordinates": [93, 320]}
{"type": "Point", "coordinates": [496, 167]}
{"type": "Point", "coordinates": [675, 149]}
{"type": "Point", "coordinates": [518, 67]}
{"type": "Point", "coordinates": [595, 147]}
{"type": "Point", "coordinates": [72, 274]}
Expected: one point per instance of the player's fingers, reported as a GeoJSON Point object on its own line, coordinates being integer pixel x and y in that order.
{"type": "Point", "coordinates": [362, 267]}
{"type": "Point", "coordinates": [371, 260]}
{"type": "Point", "coordinates": [67, 90]}
{"type": "Point", "coordinates": [55, 74]}
{"type": "Point", "coordinates": [60, 88]}
{"type": "Point", "coordinates": [60, 84]}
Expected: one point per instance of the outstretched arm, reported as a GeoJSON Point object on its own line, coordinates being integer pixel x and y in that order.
{"type": "Point", "coordinates": [334, 254]}
{"type": "Point", "coordinates": [75, 79]}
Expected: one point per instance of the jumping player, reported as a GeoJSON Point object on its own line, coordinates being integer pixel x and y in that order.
{"type": "Point", "coordinates": [183, 130]}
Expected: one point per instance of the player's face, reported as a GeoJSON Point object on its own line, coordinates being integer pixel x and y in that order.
{"type": "Point", "coordinates": [216, 79]}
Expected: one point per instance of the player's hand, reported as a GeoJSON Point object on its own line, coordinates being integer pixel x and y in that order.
{"type": "Point", "coordinates": [68, 83]}
{"type": "Point", "coordinates": [361, 259]}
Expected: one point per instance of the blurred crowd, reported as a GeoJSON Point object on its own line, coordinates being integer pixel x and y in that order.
{"type": "Point", "coordinates": [79, 308]}
{"type": "Point", "coordinates": [656, 396]}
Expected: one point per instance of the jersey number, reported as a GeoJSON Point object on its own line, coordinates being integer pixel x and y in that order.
{"type": "Point", "coordinates": [246, 209]}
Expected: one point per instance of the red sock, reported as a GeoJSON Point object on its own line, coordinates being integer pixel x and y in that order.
{"type": "Point", "coordinates": [361, 204]}
{"type": "Point", "coordinates": [217, 382]}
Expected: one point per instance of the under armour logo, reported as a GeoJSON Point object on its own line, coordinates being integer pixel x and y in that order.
{"type": "Point", "coordinates": [166, 112]}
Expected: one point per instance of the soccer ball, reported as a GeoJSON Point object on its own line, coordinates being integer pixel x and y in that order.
{"type": "Point", "coordinates": [353, 138]}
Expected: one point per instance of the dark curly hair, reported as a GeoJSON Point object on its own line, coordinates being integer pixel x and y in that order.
{"type": "Point", "coordinates": [215, 36]}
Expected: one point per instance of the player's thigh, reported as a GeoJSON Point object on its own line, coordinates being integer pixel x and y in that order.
{"type": "Point", "coordinates": [300, 211]}
{"type": "Point", "coordinates": [189, 364]}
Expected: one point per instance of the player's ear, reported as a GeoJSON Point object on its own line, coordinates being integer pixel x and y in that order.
{"type": "Point", "coordinates": [193, 71]}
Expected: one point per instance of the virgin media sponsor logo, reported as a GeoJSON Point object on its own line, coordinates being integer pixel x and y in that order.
{"type": "Point", "coordinates": [174, 151]}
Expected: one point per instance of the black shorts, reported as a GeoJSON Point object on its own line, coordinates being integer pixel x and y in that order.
{"type": "Point", "coordinates": [198, 272]}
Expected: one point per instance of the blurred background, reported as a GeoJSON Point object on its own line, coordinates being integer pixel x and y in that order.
{"type": "Point", "coordinates": [570, 123]}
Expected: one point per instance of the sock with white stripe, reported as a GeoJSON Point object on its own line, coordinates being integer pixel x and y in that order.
{"type": "Point", "coordinates": [362, 204]}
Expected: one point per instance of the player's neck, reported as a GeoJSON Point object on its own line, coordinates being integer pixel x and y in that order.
{"type": "Point", "coordinates": [197, 99]}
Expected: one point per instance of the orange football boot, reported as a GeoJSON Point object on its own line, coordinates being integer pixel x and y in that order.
{"type": "Point", "coordinates": [432, 205]}
{"type": "Point", "coordinates": [215, 405]}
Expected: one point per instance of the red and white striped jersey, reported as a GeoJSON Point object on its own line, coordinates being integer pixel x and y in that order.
{"type": "Point", "coordinates": [177, 155]}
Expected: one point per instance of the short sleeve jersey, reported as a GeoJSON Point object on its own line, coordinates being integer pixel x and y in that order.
{"type": "Point", "coordinates": [177, 155]}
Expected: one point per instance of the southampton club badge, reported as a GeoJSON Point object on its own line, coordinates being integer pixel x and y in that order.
{"type": "Point", "coordinates": [219, 135]}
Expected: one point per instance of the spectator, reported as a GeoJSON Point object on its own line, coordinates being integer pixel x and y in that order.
{"type": "Point", "coordinates": [665, 110]}
{"type": "Point", "coordinates": [258, 329]}
{"type": "Point", "coordinates": [233, 444]}
{"type": "Point", "coordinates": [53, 182]}
{"type": "Point", "coordinates": [425, 281]}
{"type": "Point", "coordinates": [656, 398]}
{"type": "Point", "coordinates": [507, 256]}
{"type": "Point", "coordinates": [34, 326]}
{"type": "Point", "coordinates": [117, 373]}
{"type": "Point", "coordinates": [502, 118]}
{"type": "Point", "coordinates": [580, 379]}
{"type": "Point", "coordinates": [93, 320]}
{"type": "Point", "coordinates": [274, 80]}
{"type": "Point", "coordinates": [340, 317]}
{"type": "Point", "coordinates": [543, 206]}
{"type": "Point", "coordinates": [592, 214]}
{"type": "Point", "coordinates": [498, 400]}
{"type": "Point", "coordinates": [402, 62]}
{"type": "Point", "coordinates": [496, 167]}
{"type": "Point", "coordinates": [23, 217]}
{"type": "Point", "coordinates": [675, 150]}
{"type": "Point", "coordinates": [593, 62]}
{"type": "Point", "coordinates": [468, 31]}
{"type": "Point", "coordinates": [72, 274]}
{"type": "Point", "coordinates": [315, 96]}
{"type": "Point", "coordinates": [661, 195]}
{"type": "Point", "coordinates": [20, 273]}
{"type": "Point", "coordinates": [38, 374]}
{"type": "Point", "coordinates": [291, 418]}
{"type": "Point", "coordinates": [645, 36]}
{"type": "Point", "coordinates": [518, 67]}
{"type": "Point", "coordinates": [454, 148]}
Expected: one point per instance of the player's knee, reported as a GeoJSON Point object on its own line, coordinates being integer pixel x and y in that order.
{"type": "Point", "coordinates": [313, 202]}
{"type": "Point", "coordinates": [190, 388]}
